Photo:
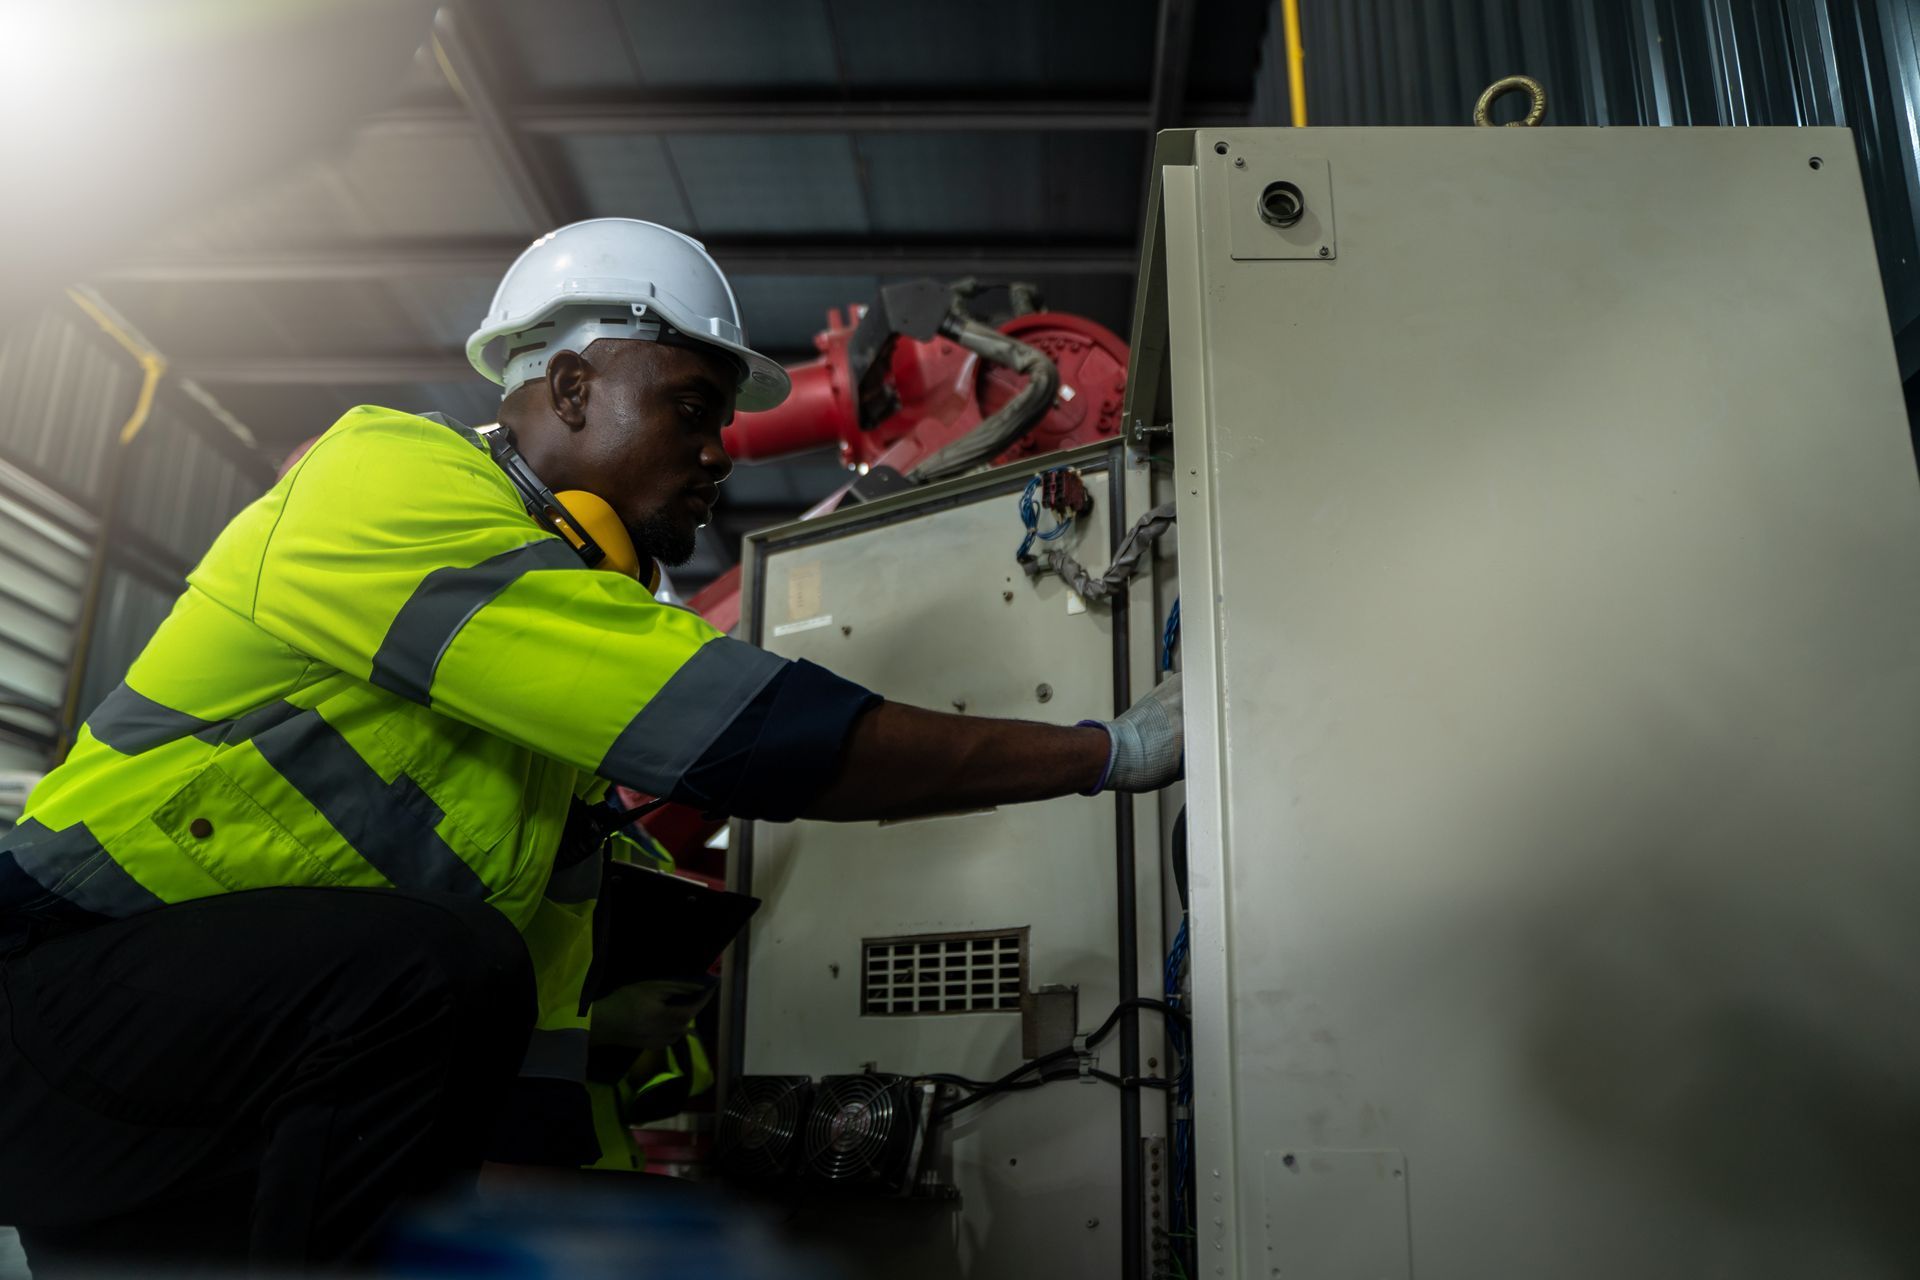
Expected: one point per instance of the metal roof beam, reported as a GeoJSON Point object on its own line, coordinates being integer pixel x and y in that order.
{"type": "Point", "coordinates": [461, 62]}
{"type": "Point", "coordinates": [1172, 50]}
{"type": "Point", "coordinates": [626, 116]}
{"type": "Point", "coordinates": [354, 370]}
{"type": "Point", "coordinates": [373, 370]}
{"type": "Point", "coordinates": [378, 261]}
{"type": "Point", "coordinates": [1167, 103]}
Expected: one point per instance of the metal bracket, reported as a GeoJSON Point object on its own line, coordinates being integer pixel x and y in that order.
{"type": "Point", "coordinates": [1278, 207]}
{"type": "Point", "coordinates": [1159, 1246]}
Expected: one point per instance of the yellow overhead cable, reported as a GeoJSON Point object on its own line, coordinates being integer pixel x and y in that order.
{"type": "Point", "coordinates": [446, 68]}
{"type": "Point", "coordinates": [153, 365]}
{"type": "Point", "coordinates": [1296, 63]}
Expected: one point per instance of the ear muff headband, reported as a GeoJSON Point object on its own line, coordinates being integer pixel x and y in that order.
{"type": "Point", "coordinates": [585, 521]}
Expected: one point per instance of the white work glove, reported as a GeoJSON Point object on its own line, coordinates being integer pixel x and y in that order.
{"type": "Point", "coordinates": [650, 1015]}
{"type": "Point", "coordinates": [1149, 742]}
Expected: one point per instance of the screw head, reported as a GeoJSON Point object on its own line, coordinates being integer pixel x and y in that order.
{"type": "Point", "coordinates": [1043, 692]}
{"type": "Point", "coordinates": [1092, 1223]}
{"type": "Point", "coordinates": [1239, 162]}
{"type": "Point", "coordinates": [1325, 252]}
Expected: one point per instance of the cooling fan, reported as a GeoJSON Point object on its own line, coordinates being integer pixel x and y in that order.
{"type": "Point", "coordinates": [861, 1132]}
{"type": "Point", "coordinates": [759, 1133]}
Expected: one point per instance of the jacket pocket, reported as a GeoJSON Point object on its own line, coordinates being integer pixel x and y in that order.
{"type": "Point", "coordinates": [234, 839]}
{"type": "Point", "coordinates": [477, 780]}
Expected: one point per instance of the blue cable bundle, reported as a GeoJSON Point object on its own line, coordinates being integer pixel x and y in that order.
{"type": "Point", "coordinates": [1030, 517]}
{"type": "Point", "coordinates": [1170, 636]}
{"type": "Point", "coordinates": [1182, 1219]}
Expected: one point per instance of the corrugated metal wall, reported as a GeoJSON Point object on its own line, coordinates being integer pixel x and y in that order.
{"type": "Point", "coordinates": [65, 391]}
{"type": "Point", "coordinates": [1700, 62]}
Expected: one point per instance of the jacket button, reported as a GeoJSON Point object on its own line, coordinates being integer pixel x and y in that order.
{"type": "Point", "coordinates": [200, 828]}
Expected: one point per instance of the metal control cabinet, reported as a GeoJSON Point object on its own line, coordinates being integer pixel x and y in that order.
{"type": "Point", "coordinates": [1551, 579]}
{"type": "Point", "coordinates": [919, 598]}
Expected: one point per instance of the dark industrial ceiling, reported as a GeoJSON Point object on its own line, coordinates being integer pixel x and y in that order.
{"type": "Point", "coordinates": [819, 147]}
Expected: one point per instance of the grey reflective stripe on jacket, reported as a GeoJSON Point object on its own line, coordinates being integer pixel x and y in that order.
{"type": "Point", "coordinates": [130, 722]}
{"type": "Point", "coordinates": [444, 603]}
{"type": "Point", "coordinates": [72, 868]}
{"type": "Point", "coordinates": [557, 1055]}
{"type": "Point", "coordinates": [391, 825]}
{"type": "Point", "coordinates": [689, 714]}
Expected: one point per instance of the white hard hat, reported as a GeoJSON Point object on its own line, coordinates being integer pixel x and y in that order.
{"type": "Point", "coordinates": [617, 278]}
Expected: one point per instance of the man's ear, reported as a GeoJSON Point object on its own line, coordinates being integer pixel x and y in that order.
{"type": "Point", "coordinates": [568, 379]}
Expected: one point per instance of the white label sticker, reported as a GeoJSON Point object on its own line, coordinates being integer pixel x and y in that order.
{"type": "Point", "coordinates": [1075, 604]}
{"type": "Point", "coordinates": [803, 591]}
{"type": "Point", "coordinates": [805, 624]}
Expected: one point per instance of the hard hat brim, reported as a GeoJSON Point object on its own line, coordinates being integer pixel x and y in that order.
{"type": "Point", "coordinates": [765, 385]}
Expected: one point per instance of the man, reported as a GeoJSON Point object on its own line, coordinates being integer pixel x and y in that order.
{"type": "Point", "coordinates": [294, 914]}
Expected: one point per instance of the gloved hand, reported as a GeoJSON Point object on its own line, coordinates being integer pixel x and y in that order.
{"type": "Point", "coordinates": [1149, 742]}
{"type": "Point", "coordinates": [649, 1015]}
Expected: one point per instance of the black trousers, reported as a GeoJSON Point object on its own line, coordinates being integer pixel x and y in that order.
{"type": "Point", "coordinates": [259, 1076]}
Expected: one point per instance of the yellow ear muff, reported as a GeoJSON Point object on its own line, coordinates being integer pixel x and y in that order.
{"type": "Point", "coordinates": [598, 521]}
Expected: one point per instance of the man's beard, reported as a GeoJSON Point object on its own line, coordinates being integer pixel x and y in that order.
{"type": "Point", "coordinates": [663, 538]}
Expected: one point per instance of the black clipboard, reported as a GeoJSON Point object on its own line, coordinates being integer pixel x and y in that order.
{"type": "Point", "coordinates": [649, 925]}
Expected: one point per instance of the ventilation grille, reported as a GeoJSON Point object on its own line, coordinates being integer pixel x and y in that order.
{"type": "Point", "coordinates": [943, 973]}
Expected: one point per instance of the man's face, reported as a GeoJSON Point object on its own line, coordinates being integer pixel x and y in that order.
{"type": "Point", "coordinates": [651, 446]}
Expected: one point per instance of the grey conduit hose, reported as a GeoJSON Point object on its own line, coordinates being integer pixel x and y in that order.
{"type": "Point", "coordinates": [1145, 532]}
{"type": "Point", "coordinates": [1013, 419]}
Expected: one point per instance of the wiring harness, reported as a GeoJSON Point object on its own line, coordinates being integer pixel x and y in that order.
{"type": "Point", "coordinates": [1076, 1059]}
{"type": "Point", "coordinates": [1126, 561]}
{"type": "Point", "coordinates": [1054, 491]}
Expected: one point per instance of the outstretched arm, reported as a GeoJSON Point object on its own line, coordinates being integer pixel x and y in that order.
{"type": "Point", "coordinates": [902, 761]}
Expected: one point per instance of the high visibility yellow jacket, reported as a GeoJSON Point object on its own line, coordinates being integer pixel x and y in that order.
{"type": "Point", "coordinates": [658, 1085]}
{"type": "Point", "coordinates": [384, 673]}
{"type": "Point", "coordinates": [652, 1084]}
